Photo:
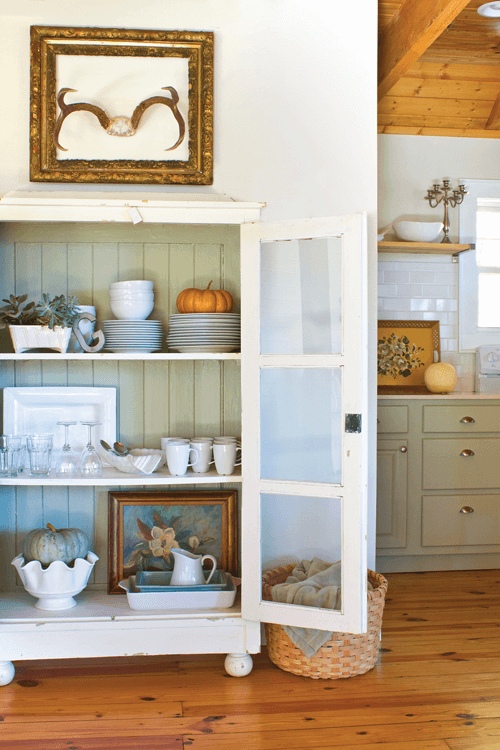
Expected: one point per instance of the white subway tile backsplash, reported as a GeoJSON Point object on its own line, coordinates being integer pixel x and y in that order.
{"type": "Point", "coordinates": [423, 304]}
{"type": "Point", "coordinates": [396, 277]}
{"type": "Point", "coordinates": [447, 304]}
{"type": "Point", "coordinates": [445, 278]}
{"type": "Point", "coordinates": [436, 290]}
{"type": "Point", "coordinates": [426, 290]}
{"type": "Point", "coordinates": [409, 290]}
{"type": "Point", "coordinates": [448, 332]}
{"type": "Point", "coordinates": [422, 277]}
{"type": "Point", "coordinates": [397, 304]}
{"type": "Point", "coordinates": [387, 290]}
{"type": "Point", "coordinates": [387, 265]}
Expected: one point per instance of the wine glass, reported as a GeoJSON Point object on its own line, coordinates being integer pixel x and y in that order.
{"type": "Point", "coordinates": [90, 462]}
{"type": "Point", "coordinates": [67, 462]}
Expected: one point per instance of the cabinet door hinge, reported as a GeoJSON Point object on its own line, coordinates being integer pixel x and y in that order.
{"type": "Point", "coordinates": [353, 422]}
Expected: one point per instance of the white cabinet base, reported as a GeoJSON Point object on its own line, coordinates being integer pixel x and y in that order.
{"type": "Point", "coordinates": [7, 671]}
{"type": "Point", "coordinates": [104, 625]}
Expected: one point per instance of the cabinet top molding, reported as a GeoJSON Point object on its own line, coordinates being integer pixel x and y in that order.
{"type": "Point", "coordinates": [194, 208]}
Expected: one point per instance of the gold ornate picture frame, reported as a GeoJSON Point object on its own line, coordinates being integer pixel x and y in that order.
{"type": "Point", "coordinates": [405, 350]}
{"type": "Point", "coordinates": [89, 84]}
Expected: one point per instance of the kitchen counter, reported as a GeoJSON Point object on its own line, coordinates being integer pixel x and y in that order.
{"type": "Point", "coordinates": [442, 396]}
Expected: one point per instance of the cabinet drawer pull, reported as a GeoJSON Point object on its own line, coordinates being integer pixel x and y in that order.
{"type": "Point", "coordinates": [466, 509]}
{"type": "Point", "coordinates": [467, 420]}
{"type": "Point", "coordinates": [466, 453]}
{"type": "Point", "coordinates": [403, 449]}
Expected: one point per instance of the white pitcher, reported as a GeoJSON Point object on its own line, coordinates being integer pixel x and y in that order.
{"type": "Point", "coordinates": [188, 569]}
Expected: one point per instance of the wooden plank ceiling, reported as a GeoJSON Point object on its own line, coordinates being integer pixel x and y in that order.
{"type": "Point", "coordinates": [439, 69]}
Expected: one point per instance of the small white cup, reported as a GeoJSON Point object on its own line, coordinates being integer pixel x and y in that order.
{"type": "Point", "coordinates": [178, 455]}
{"type": "Point", "coordinates": [225, 457]}
{"type": "Point", "coordinates": [166, 440]}
{"type": "Point", "coordinates": [204, 449]}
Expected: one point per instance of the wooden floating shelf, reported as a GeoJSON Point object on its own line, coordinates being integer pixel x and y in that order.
{"type": "Point", "coordinates": [427, 248]}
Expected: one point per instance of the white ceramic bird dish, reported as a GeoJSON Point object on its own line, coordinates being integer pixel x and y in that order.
{"type": "Point", "coordinates": [138, 461]}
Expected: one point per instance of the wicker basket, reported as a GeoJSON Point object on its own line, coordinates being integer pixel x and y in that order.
{"type": "Point", "coordinates": [344, 654]}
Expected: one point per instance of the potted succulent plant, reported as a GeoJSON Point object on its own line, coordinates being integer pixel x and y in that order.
{"type": "Point", "coordinates": [43, 325]}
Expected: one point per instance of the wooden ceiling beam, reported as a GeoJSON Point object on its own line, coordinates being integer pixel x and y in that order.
{"type": "Point", "coordinates": [411, 30]}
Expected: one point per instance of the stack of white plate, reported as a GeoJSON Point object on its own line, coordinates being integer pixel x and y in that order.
{"type": "Point", "coordinates": [132, 335]}
{"type": "Point", "coordinates": [204, 332]}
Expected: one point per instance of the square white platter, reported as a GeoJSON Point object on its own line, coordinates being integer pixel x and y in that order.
{"type": "Point", "coordinates": [31, 411]}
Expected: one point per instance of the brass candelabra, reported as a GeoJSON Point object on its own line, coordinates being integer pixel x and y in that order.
{"type": "Point", "coordinates": [441, 194]}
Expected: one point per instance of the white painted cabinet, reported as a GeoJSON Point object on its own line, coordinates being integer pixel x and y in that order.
{"type": "Point", "coordinates": [77, 244]}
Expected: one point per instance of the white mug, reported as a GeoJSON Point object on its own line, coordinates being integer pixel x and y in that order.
{"type": "Point", "coordinates": [204, 448]}
{"type": "Point", "coordinates": [225, 457]}
{"type": "Point", "coordinates": [166, 440]}
{"type": "Point", "coordinates": [178, 455]}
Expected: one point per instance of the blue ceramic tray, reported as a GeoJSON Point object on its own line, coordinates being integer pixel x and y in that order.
{"type": "Point", "coordinates": [156, 580]}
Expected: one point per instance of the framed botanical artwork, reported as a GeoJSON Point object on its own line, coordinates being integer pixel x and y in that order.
{"type": "Point", "coordinates": [145, 526]}
{"type": "Point", "coordinates": [121, 106]}
{"type": "Point", "coordinates": [405, 349]}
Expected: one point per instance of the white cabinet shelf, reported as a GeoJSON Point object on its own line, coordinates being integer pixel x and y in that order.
{"type": "Point", "coordinates": [112, 356]}
{"type": "Point", "coordinates": [104, 625]}
{"type": "Point", "coordinates": [112, 478]}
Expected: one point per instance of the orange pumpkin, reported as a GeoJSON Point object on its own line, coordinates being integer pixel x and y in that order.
{"type": "Point", "coordinates": [204, 300]}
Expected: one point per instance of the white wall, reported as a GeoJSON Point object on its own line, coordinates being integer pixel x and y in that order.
{"type": "Point", "coordinates": [295, 91]}
{"type": "Point", "coordinates": [295, 107]}
{"type": "Point", "coordinates": [417, 287]}
{"type": "Point", "coordinates": [409, 165]}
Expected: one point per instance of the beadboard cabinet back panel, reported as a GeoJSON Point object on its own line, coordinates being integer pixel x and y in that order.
{"type": "Point", "coordinates": [154, 398]}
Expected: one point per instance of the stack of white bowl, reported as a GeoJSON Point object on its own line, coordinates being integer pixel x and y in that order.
{"type": "Point", "coordinates": [131, 300]}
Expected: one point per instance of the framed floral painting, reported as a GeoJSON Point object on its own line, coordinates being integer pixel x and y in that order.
{"type": "Point", "coordinates": [405, 349]}
{"type": "Point", "coordinates": [145, 526]}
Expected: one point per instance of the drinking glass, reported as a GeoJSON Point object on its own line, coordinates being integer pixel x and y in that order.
{"type": "Point", "coordinates": [67, 462]}
{"type": "Point", "coordinates": [10, 447]}
{"type": "Point", "coordinates": [39, 449]}
{"type": "Point", "coordinates": [90, 462]}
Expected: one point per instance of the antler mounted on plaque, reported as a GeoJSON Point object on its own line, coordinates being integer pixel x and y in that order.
{"type": "Point", "coordinates": [120, 125]}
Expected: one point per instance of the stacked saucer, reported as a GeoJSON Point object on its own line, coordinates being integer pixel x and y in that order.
{"type": "Point", "coordinates": [204, 332]}
{"type": "Point", "coordinates": [132, 335]}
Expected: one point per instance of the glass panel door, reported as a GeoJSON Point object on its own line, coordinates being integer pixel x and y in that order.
{"type": "Point", "coordinates": [303, 373]}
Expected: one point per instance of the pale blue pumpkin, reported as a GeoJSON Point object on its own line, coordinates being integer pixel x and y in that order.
{"type": "Point", "coordinates": [51, 544]}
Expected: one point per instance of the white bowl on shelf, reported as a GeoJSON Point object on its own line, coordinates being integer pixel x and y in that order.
{"type": "Point", "coordinates": [131, 295]}
{"type": "Point", "coordinates": [56, 585]}
{"type": "Point", "coordinates": [417, 231]}
{"type": "Point", "coordinates": [131, 309]}
{"type": "Point", "coordinates": [135, 285]}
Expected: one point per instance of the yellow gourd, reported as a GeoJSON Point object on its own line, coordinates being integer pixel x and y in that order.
{"type": "Point", "coordinates": [204, 300]}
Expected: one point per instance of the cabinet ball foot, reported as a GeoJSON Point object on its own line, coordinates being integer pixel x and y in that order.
{"type": "Point", "coordinates": [7, 671]}
{"type": "Point", "coordinates": [238, 665]}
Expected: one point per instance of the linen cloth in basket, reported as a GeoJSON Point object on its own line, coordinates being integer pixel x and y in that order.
{"type": "Point", "coordinates": [344, 654]}
{"type": "Point", "coordinates": [313, 583]}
